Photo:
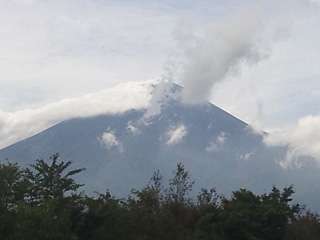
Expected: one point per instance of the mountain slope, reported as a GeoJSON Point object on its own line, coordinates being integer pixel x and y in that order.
{"type": "Point", "coordinates": [121, 151]}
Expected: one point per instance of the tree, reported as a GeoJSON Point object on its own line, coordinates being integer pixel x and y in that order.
{"type": "Point", "coordinates": [180, 185]}
{"type": "Point", "coordinates": [304, 226]}
{"type": "Point", "coordinates": [144, 210]}
{"type": "Point", "coordinates": [12, 185]}
{"type": "Point", "coordinates": [208, 215]}
{"type": "Point", "coordinates": [47, 221]}
{"type": "Point", "coordinates": [48, 181]}
{"type": "Point", "coordinates": [178, 213]}
{"type": "Point", "coordinates": [13, 189]}
{"type": "Point", "coordinates": [51, 203]}
{"type": "Point", "coordinates": [103, 218]}
{"type": "Point", "coordinates": [249, 216]}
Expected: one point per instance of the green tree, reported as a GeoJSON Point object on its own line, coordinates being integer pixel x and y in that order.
{"type": "Point", "coordinates": [248, 216]}
{"type": "Point", "coordinates": [208, 215]}
{"type": "Point", "coordinates": [304, 226]}
{"type": "Point", "coordinates": [48, 181]}
{"type": "Point", "coordinates": [52, 204]}
{"type": "Point", "coordinates": [178, 213]}
{"type": "Point", "coordinates": [180, 185]}
{"type": "Point", "coordinates": [103, 218]}
{"type": "Point", "coordinates": [13, 189]}
{"type": "Point", "coordinates": [12, 186]}
{"type": "Point", "coordinates": [144, 210]}
{"type": "Point", "coordinates": [47, 221]}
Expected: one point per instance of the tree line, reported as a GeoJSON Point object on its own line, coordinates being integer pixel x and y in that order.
{"type": "Point", "coordinates": [44, 202]}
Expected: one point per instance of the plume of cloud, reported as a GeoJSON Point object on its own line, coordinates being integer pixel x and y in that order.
{"type": "Point", "coordinates": [218, 54]}
{"type": "Point", "coordinates": [161, 94]}
{"type": "Point", "coordinates": [302, 140]}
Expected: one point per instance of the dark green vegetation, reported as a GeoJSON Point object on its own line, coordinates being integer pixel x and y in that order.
{"type": "Point", "coordinates": [44, 203]}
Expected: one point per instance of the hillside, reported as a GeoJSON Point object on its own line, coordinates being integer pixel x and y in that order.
{"type": "Point", "coordinates": [121, 151]}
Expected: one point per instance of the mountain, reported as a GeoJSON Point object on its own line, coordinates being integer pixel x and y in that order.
{"type": "Point", "coordinates": [122, 151]}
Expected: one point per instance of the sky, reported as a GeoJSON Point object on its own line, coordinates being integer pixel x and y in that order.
{"type": "Point", "coordinates": [258, 60]}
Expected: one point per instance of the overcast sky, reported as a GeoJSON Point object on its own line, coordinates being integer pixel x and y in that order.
{"type": "Point", "coordinates": [258, 60]}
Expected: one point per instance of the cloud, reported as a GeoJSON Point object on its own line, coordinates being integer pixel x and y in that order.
{"type": "Point", "coordinates": [245, 156]}
{"type": "Point", "coordinates": [219, 53]}
{"type": "Point", "coordinates": [302, 140]}
{"type": "Point", "coordinates": [15, 126]}
{"type": "Point", "coordinates": [176, 135]}
{"type": "Point", "coordinates": [132, 128]}
{"type": "Point", "coordinates": [61, 49]}
{"type": "Point", "coordinates": [217, 143]}
{"type": "Point", "coordinates": [161, 94]}
{"type": "Point", "coordinates": [54, 50]}
{"type": "Point", "coordinates": [315, 1]}
{"type": "Point", "coordinates": [109, 140]}
{"type": "Point", "coordinates": [284, 87]}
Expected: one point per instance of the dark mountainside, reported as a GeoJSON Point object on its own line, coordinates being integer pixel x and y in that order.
{"type": "Point", "coordinates": [218, 149]}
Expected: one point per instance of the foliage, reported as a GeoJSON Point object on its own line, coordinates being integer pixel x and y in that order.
{"type": "Point", "coordinates": [12, 192]}
{"type": "Point", "coordinates": [48, 181]}
{"type": "Point", "coordinates": [249, 216]}
{"type": "Point", "coordinates": [45, 203]}
{"type": "Point", "coordinates": [304, 226]}
{"type": "Point", "coordinates": [12, 185]}
{"type": "Point", "coordinates": [180, 185]}
{"type": "Point", "coordinates": [35, 202]}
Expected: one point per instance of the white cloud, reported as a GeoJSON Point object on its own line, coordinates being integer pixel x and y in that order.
{"type": "Point", "coordinates": [109, 140]}
{"type": "Point", "coordinates": [132, 128]}
{"type": "Point", "coordinates": [302, 140]}
{"type": "Point", "coordinates": [213, 147]}
{"type": "Point", "coordinates": [245, 156]}
{"type": "Point", "coordinates": [62, 49]}
{"type": "Point", "coordinates": [160, 96]}
{"type": "Point", "coordinates": [54, 50]}
{"type": "Point", "coordinates": [285, 86]}
{"type": "Point", "coordinates": [212, 58]}
{"type": "Point", "coordinates": [176, 135]}
{"type": "Point", "coordinates": [217, 143]}
{"type": "Point", "coordinates": [15, 126]}
{"type": "Point", "coordinates": [315, 1]}
{"type": "Point", "coordinates": [221, 138]}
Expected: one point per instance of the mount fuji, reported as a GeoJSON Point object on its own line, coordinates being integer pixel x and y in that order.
{"type": "Point", "coordinates": [121, 150]}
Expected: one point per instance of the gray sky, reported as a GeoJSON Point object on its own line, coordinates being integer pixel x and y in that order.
{"type": "Point", "coordinates": [258, 60]}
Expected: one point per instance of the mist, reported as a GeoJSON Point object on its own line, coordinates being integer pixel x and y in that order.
{"type": "Point", "coordinates": [218, 52]}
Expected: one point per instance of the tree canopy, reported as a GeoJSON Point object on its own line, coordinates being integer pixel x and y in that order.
{"type": "Point", "coordinates": [44, 202]}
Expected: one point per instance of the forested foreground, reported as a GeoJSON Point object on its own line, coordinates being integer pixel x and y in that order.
{"type": "Point", "coordinates": [44, 202]}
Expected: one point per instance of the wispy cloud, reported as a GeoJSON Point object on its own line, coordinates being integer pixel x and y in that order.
{"type": "Point", "coordinates": [217, 143]}
{"type": "Point", "coordinates": [161, 94]}
{"type": "Point", "coordinates": [212, 57]}
{"type": "Point", "coordinates": [54, 50]}
{"type": "Point", "coordinates": [315, 1]}
{"type": "Point", "coordinates": [302, 140]}
{"type": "Point", "coordinates": [281, 88]}
{"type": "Point", "coordinates": [132, 128]}
{"type": "Point", "coordinates": [15, 126]}
{"type": "Point", "coordinates": [245, 156]}
{"type": "Point", "coordinates": [176, 135]}
{"type": "Point", "coordinates": [62, 49]}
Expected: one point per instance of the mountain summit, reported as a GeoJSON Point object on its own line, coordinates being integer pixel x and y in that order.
{"type": "Point", "coordinates": [122, 149]}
